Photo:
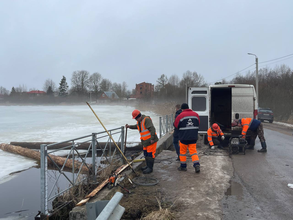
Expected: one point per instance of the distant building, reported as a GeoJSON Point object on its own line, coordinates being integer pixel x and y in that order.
{"type": "Point", "coordinates": [109, 95]}
{"type": "Point", "coordinates": [36, 93]}
{"type": "Point", "coordinates": [144, 90]}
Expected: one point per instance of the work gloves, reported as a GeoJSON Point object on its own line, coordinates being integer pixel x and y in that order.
{"type": "Point", "coordinates": [223, 137]}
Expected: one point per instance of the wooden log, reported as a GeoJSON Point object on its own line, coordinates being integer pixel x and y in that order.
{"type": "Point", "coordinates": [84, 146]}
{"type": "Point", "coordinates": [37, 156]}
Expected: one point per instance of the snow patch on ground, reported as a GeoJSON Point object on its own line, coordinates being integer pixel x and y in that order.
{"type": "Point", "coordinates": [284, 124]}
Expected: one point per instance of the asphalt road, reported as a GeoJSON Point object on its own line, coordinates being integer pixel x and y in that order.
{"type": "Point", "coordinates": [259, 188]}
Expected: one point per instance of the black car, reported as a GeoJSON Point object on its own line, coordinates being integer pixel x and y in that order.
{"type": "Point", "coordinates": [265, 114]}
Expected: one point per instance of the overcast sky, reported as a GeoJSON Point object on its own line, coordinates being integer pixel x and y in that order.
{"type": "Point", "coordinates": [139, 40]}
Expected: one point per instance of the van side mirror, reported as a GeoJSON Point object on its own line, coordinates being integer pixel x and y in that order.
{"type": "Point", "coordinates": [236, 116]}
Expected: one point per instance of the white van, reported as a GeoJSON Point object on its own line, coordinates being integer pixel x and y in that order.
{"type": "Point", "coordinates": [222, 104]}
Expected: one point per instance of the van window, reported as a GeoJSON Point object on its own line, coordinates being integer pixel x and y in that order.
{"type": "Point", "coordinates": [199, 103]}
{"type": "Point", "coordinates": [199, 92]}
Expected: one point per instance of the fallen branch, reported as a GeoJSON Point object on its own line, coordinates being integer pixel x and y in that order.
{"type": "Point", "coordinates": [101, 186]}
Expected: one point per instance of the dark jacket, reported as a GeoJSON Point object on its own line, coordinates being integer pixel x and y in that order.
{"type": "Point", "coordinates": [253, 125]}
{"type": "Point", "coordinates": [175, 134]}
{"type": "Point", "coordinates": [188, 124]}
{"type": "Point", "coordinates": [149, 125]}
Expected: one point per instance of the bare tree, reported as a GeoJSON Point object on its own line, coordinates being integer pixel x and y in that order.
{"type": "Point", "coordinates": [191, 79]}
{"type": "Point", "coordinates": [124, 89]}
{"type": "Point", "coordinates": [80, 82]}
{"type": "Point", "coordinates": [3, 91]}
{"type": "Point", "coordinates": [49, 83]}
{"type": "Point", "coordinates": [117, 88]}
{"type": "Point", "coordinates": [22, 88]}
{"type": "Point", "coordinates": [174, 80]}
{"type": "Point", "coordinates": [162, 81]}
{"type": "Point", "coordinates": [94, 82]}
{"type": "Point", "coordinates": [105, 85]}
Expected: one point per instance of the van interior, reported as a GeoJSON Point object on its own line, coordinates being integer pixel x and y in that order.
{"type": "Point", "coordinates": [221, 105]}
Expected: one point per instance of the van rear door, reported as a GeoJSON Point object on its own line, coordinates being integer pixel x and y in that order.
{"type": "Point", "coordinates": [198, 101]}
{"type": "Point", "coordinates": [243, 102]}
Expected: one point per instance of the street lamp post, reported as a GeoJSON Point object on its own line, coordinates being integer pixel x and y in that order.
{"type": "Point", "coordinates": [256, 75]}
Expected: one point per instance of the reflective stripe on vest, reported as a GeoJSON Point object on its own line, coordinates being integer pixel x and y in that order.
{"type": "Point", "coordinates": [188, 128]}
{"type": "Point", "coordinates": [144, 132]}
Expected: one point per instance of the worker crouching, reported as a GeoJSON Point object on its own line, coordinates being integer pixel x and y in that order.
{"type": "Point", "coordinates": [215, 136]}
{"type": "Point", "coordinates": [188, 123]}
{"type": "Point", "coordinates": [148, 137]}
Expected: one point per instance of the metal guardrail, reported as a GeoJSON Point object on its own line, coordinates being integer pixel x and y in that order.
{"type": "Point", "coordinates": [166, 124]}
{"type": "Point", "coordinates": [76, 176]}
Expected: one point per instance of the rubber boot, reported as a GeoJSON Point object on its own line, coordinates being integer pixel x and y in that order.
{"type": "Point", "coordinates": [150, 163]}
{"type": "Point", "coordinates": [146, 162]}
{"type": "Point", "coordinates": [264, 147]}
{"type": "Point", "coordinates": [182, 168]}
{"type": "Point", "coordinates": [197, 167]}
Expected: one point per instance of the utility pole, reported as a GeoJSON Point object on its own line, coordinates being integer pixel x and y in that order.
{"type": "Point", "coordinates": [256, 75]}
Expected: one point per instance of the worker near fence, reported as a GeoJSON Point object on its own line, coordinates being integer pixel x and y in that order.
{"type": "Point", "coordinates": [256, 128]}
{"type": "Point", "coordinates": [148, 137]}
{"type": "Point", "coordinates": [188, 124]}
{"type": "Point", "coordinates": [215, 136]}
{"type": "Point", "coordinates": [175, 133]}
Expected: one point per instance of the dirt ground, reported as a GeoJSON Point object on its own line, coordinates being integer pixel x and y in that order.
{"type": "Point", "coordinates": [187, 195]}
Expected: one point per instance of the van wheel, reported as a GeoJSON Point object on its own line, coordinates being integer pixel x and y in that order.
{"type": "Point", "coordinates": [271, 121]}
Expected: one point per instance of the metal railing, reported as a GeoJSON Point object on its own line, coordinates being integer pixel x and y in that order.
{"type": "Point", "coordinates": [166, 124]}
{"type": "Point", "coordinates": [79, 162]}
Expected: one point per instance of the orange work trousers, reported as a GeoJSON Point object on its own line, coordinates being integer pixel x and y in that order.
{"type": "Point", "coordinates": [192, 152]}
{"type": "Point", "coordinates": [150, 150]}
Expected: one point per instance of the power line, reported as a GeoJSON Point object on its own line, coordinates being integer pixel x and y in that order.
{"type": "Point", "coordinates": [277, 61]}
{"type": "Point", "coordinates": [277, 58]}
{"type": "Point", "coordinates": [289, 56]}
{"type": "Point", "coordinates": [235, 73]}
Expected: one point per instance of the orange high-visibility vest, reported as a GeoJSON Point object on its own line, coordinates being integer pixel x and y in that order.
{"type": "Point", "coordinates": [144, 132]}
{"type": "Point", "coordinates": [211, 133]}
{"type": "Point", "coordinates": [245, 123]}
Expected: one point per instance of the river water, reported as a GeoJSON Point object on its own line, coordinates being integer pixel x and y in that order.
{"type": "Point", "coordinates": [19, 177]}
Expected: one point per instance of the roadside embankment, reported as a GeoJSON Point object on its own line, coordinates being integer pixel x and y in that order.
{"type": "Point", "coordinates": [187, 195]}
{"type": "Point", "coordinates": [79, 212]}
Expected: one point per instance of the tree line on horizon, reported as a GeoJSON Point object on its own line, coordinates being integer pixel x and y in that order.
{"type": "Point", "coordinates": [275, 88]}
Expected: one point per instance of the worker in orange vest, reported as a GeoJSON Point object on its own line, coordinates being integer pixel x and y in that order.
{"type": "Point", "coordinates": [215, 136]}
{"type": "Point", "coordinates": [148, 137]}
{"type": "Point", "coordinates": [257, 130]}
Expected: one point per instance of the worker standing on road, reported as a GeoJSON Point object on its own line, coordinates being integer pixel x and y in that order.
{"type": "Point", "coordinates": [215, 136]}
{"type": "Point", "coordinates": [175, 133]}
{"type": "Point", "coordinates": [188, 124]}
{"type": "Point", "coordinates": [148, 138]}
{"type": "Point", "coordinates": [257, 130]}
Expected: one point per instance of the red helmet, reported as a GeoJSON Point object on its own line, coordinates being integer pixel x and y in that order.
{"type": "Point", "coordinates": [215, 127]}
{"type": "Point", "coordinates": [135, 113]}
